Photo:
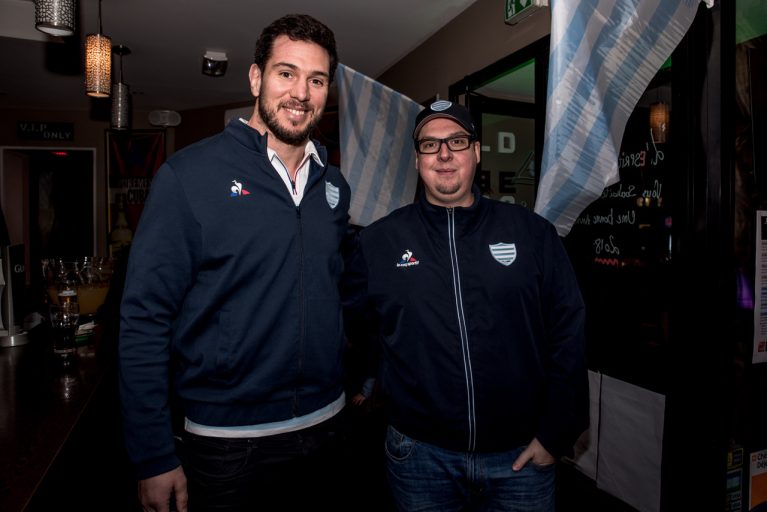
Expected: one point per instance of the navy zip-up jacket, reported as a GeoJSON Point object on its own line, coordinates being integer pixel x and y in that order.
{"type": "Point", "coordinates": [231, 298]}
{"type": "Point", "coordinates": [481, 324]}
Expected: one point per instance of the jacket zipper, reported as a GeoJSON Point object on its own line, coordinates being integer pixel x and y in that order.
{"type": "Point", "coordinates": [301, 321]}
{"type": "Point", "coordinates": [463, 331]}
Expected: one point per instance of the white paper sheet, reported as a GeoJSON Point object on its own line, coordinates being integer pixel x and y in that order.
{"type": "Point", "coordinates": [760, 289]}
{"type": "Point", "coordinates": [631, 443]}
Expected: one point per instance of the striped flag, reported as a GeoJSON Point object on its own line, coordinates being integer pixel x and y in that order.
{"type": "Point", "coordinates": [603, 55]}
{"type": "Point", "coordinates": [377, 156]}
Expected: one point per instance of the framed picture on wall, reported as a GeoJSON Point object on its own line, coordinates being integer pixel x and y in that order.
{"type": "Point", "coordinates": [133, 158]}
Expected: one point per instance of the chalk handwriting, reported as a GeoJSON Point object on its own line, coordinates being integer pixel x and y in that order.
{"type": "Point", "coordinates": [655, 192]}
{"type": "Point", "coordinates": [606, 246]}
{"type": "Point", "coordinates": [639, 159]}
{"type": "Point", "coordinates": [610, 218]}
{"type": "Point", "coordinates": [619, 192]}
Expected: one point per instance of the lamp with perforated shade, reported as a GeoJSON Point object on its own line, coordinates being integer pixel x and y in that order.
{"type": "Point", "coordinates": [55, 17]}
{"type": "Point", "coordinates": [98, 63]}
{"type": "Point", "coordinates": [121, 99]}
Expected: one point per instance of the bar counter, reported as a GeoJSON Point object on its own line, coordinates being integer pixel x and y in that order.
{"type": "Point", "coordinates": [53, 426]}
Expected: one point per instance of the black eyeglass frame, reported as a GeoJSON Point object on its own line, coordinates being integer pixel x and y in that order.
{"type": "Point", "coordinates": [417, 143]}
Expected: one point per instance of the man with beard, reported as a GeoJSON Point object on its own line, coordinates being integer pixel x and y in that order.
{"type": "Point", "coordinates": [231, 307]}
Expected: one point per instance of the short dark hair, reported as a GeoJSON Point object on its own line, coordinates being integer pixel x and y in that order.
{"type": "Point", "coordinates": [298, 27]}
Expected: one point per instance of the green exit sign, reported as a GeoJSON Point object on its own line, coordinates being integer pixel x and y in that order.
{"type": "Point", "coordinates": [518, 10]}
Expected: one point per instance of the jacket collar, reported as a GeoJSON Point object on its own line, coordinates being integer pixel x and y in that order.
{"type": "Point", "coordinates": [255, 141]}
{"type": "Point", "coordinates": [475, 206]}
{"type": "Point", "coordinates": [466, 218]}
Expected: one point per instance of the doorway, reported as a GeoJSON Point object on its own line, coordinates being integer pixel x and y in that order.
{"type": "Point", "coordinates": [508, 103]}
{"type": "Point", "coordinates": [48, 197]}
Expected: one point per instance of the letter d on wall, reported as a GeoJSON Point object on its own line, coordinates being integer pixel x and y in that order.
{"type": "Point", "coordinates": [507, 143]}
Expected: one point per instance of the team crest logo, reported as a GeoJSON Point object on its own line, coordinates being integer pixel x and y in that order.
{"type": "Point", "coordinates": [332, 194]}
{"type": "Point", "coordinates": [440, 105]}
{"type": "Point", "coordinates": [505, 254]}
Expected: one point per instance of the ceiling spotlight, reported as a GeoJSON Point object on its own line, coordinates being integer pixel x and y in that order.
{"type": "Point", "coordinates": [214, 63]}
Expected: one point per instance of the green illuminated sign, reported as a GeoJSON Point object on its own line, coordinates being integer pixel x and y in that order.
{"type": "Point", "coordinates": [517, 10]}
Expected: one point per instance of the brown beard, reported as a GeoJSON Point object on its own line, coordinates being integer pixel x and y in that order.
{"type": "Point", "coordinates": [269, 117]}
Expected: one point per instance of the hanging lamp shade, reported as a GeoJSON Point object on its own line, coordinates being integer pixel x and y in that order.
{"type": "Point", "coordinates": [55, 17]}
{"type": "Point", "coordinates": [121, 99]}
{"type": "Point", "coordinates": [98, 65]}
{"type": "Point", "coordinates": [659, 121]}
{"type": "Point", "coordinates": [120, 106]}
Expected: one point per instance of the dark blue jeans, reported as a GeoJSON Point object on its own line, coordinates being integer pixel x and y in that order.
{"type": "Point", "coordinates": [299, 470]}
{"type": "Point", "coordinates": [423, 477]}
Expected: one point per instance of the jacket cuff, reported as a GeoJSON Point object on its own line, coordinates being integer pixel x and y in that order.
{"type": "Point", "coordinates": [157, 466]}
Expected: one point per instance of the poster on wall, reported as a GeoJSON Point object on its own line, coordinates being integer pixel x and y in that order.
{"type": "Point", "coordinates": [758, 487]}
{"type": "Point", "coordinates": [133, 159]}
{"type": "Point", "coordinates": [760, 287]}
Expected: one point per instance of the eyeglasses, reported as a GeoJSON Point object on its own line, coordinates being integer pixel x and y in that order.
{"type": "Point", "coordinates": [432, 146]}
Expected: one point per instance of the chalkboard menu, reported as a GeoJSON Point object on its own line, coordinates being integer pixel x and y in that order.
{"type": "Point", "coordinates": [621, 248]}
{"type": "Point", "coordinates": [630, 224]}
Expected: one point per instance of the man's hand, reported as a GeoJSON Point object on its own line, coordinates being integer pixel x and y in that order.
{"type": "Point", "coordinates": [534, 452]}
{"type": "Point", "coordinates": [155, 492]}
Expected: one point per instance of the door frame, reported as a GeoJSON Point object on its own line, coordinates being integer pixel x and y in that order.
{"type": "Point", "coordinates": [464, 92]}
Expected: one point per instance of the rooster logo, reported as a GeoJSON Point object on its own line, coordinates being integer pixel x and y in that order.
{"type": "Point", "coordinates": [237, 189]}
{"type": "Point", "coordinates": [407, 259]}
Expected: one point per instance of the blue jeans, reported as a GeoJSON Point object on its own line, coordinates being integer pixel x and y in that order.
{"type": "Point", "coordinates": [293, 471]}
{"type": "Point", "coordinates": [423, 477]}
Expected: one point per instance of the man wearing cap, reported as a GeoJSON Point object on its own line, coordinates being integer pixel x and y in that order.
{"type": "Point", "coordinates": [481, 326]}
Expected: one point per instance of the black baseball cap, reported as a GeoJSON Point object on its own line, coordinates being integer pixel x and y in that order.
{"type": "Point", "coordinates": [445, 109]}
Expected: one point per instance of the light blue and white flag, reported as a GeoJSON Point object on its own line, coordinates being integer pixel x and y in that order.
{"type": "Point", "coordinates": [377, 156]}
{"type": "Point", "coordinates": [603, 54]}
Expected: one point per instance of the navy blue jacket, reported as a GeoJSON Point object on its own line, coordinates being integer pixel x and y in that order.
{"type": "Point", "coordinates": [481, 324]}
{"type": "Point", "coordinates": [231, 298]}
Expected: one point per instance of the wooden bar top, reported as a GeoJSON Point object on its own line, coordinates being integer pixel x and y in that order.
{"type": "Point", "coordinates": [40, 404]}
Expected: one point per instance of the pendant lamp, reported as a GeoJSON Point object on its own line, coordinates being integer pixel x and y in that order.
{"type": "Point", "coordinates": [121, 99]}
{"type": "Point", "coordinates": [659, 120]}
{"type": "Point", "coordinates": [98, 63]}
{"type": "Point", "coordinates": [55, 17]}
